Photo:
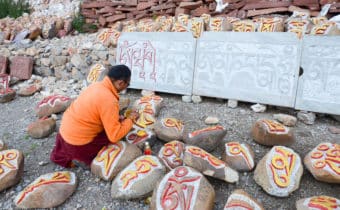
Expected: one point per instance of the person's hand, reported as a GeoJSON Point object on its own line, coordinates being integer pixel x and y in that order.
{"type": "Point", "coordinates": [134, 115]}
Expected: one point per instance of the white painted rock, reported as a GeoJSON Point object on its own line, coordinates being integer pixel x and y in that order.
{"type": "Point", "coordinates": [239, 156]}
{"type": "Point", "coordinates": [208, 164]}
{"type": "Point", "coordinates": [168, 129]}
{"type": "Point", "coordinates": [111, 159]}
{"type": "Point", "coordinates": [269, 132]}
{"type": "Point", "coordinates": [47, 191]}
{"type": "Point", "coordinates": [285, 119]}
{"type": "Point", "coordinates": [211, 120]}
{"type": "Point", "coordinates": [3, 145]}
{"type": "Point", "coordinates": [139, 136]}
{"type": "Point", "coordinates": [11, 167]}
{"type": "Point", "coordinates": [41, 128]}
{"type": "Point", "coordinates": [152, 104]}
{"type": "Point", "coordinates": [279, 171]}
{"type": "Point", "coordinates": [321, 202]}
{"type": "Point", "coordinates": [138, 179]}
{"type": "Point", "coordinates": [324, 162]}
{"type": "Point", "coordinates": [240, 200]}
{"type": "Point", "coordinates": [171, 154]}
{"type": "Point", "coordinates": [52, 105]}
{"type": "Point", "coordinates": [206, 138]}
{"type": "Point", "coordinates": [96, 73]}
{"type": "Point", "coordinates": [183, 188]}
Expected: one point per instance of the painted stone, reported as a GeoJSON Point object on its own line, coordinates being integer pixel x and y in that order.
{"type": "Point", "coordinates": [138, 179]}
{"type": "Point", "coordinates": [172, 154]}
{"type": "Point", "coordinates": [108, 37]}
{"type": "Point", "coordinates": [111, 159]}
{"type": "Point", "coordinates": [52, 104]}
{"type": "Point", "coordinates": [208, 164]}
{"type": "Point", "coordinates": [279, 171]}
{"type": "Point", "coordinates": [97, 73]}
{"type": "Point", "coordinates": [324, 162]}
{"type": "Point", "coordinates": [169, 129]}
{"type": "Point", "coordinates": [11, 167]}
{"type": "Point", "coordinates": [206, 138]}
{"type": "Point", "coordinates": [318, 202]}
{"type": "Point", "coordinates": [240, 199]}
{"type": "Point", "coordinates": [139, 136]}
{"type": "Point", "coordinates": [183, 188]}
{"type": "Point", "coordinates": [47, 191]}
{"type": "Point", "coordinates": [239, 156]}
{"type": "Point", "coordinates": [269, 132]}
{"type": "Point", "coordinates": [152, 104]}
{"type": "Point", "coordinates": [41, 128]}
{"type": "Point", "coordinates": [6, 94]}
{"type": "Point", "coordinates": [29, 90]}
{"type": "Point", "coordinates": [123, 103]}
{"type": "Point", "coordinates": [3, 145]}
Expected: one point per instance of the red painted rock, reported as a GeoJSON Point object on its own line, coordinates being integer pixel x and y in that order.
{"type": "Point", "coordinates": [318, 202]}
{"type": "Point", "coordinates": [11, 167]}
{"type": "Point", "coordinates": [239, 199]}
{"type": "Point", "coordinates": [3, 145]}
{"type": "Point", "coordinates": [279, 171]}
{"type": "Point", "coordinates": [152, 104]}
{"type": "Point", "coordinates": [7, 95]}
{"type": "Point", "coordinates": [208, 164]}
{"type": "Point", "coordinates": [41, 128]}
{"type": "Point", "coordinates": [183, 188]}
{"type": "Point", "coordinates": [169, 129]}
{"type": "Point", "coordinates": [269, 132]}
{"type": "Point", "coordinates": [324, 162]}
{"type": "Point", "coordinates": [138, 179]}
{"type": "Point", "coordinates": [172, 154]}
{"type": "Point", "coordinates": [239, 156]}
{"type": "Point", "coordinates": [111, 159]}
{"type": "Point", "coordinates": [29, 90]}
{"type": "Point", "coordinates": [97, 73]}
{"type": "Point", "coordinates": [47, 191]}
{"type": "Point", "coordinates": [21, 67]}
{"type": "Point", "coordinates": [52, 104]}
{"type": "Point", "coordinates": [138, 137]}
{"type": "Point", "coordinates": [207, 138]}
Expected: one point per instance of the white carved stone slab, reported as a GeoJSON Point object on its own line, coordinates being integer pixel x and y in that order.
{"type": "Point", "coordinates": [254, 67]}
{"type": "Point", "coordinates": [319, 85]}
{"type": "Point", "coordinates": [159, 61]}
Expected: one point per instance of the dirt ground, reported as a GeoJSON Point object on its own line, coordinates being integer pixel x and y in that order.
{"type": "Point", "coordinates": [93, 193]}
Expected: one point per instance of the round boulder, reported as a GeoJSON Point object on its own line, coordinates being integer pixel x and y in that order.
{"type": "Point", "coordinates": [169, 129]}
{"type": "Point", "coordinates": [239, 156]}
{"type": "Point", "coordinates": [172, 154]}
{"type": "Point", "coordinates": [41, 128]}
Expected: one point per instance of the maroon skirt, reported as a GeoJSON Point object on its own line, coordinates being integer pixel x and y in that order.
{"type": "Point", "coordinates": [63, 153]}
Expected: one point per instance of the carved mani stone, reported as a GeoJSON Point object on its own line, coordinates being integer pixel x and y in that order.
{"type": "Point", "coordinates": [139, 136]}
{"type": "Point", "coordinates": [172, 154]}
{"type": "Point", "coordinates": [168, 129]}
{"type": "Point", "coordinates": [318, 202]}
{"type": "Point", "coordinates": [152, 103]}
{"type": "Point", "coordinates": [279, 171]}
{"type": "Point", "coordinates": [52, 104]}
{"type": "Point", "coordinates": [41, 128]}
{"type": "Point", "coordinates": [11, 167]}
{"type": "Point", "coordinates": [138, 179]}
{"type": "Point", "coordinates": [239, 199]}
{"type": "Point", "coordinates": [183, 188]}
{"type": "Point", "coordinates": [47, 191]}
{"type": "Point", "coordinates": [324, 162]}
{"type": "Point", "coordinates": [239, 156]}
{"type": "Point", "coordinates": [206, 138]}
{"type": "Point", "coordinates": [97, 73]}
{"type": "Point", "coordinates": [111, 159]}
{"type": "Point", "coordinates": [269, 132]}
{"type": "Point", "coordinates": [208, 164]}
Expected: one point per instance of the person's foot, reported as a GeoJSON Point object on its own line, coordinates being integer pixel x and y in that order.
{"type": "Point", "coordinates": [81, 164]}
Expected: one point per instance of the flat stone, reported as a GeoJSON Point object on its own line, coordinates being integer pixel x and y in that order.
{"type": "Point", "coordinates": [47, 191]}
{"type": "Point", "coordinates": [21, 67]}
{"type": "Point", "coordinates": [285, 119]}
{"type": "Point", "coordinates": [41, 128]}
{"type": "Point", "coordinates": [52, 105]}
{"type": "Point", "coordinates": [29, 90]}
{"type": "Point", "coordinates": [279, 161]}
{"type": "Point", "coordinates": [211, 120]}
{"type": "Point", "coordinates": [334, 130]}
{"type": "Point", "coordinates": [172, 154]}
{"type": "Point", "coordinates": [138, 179]}
{"type": "Point", "coordinates": [321, 201]}
{"type": "Point", "coordinates": [240, 157]}
{"type": "Point", "coordinates": [208, 164]}
{"type": "Point", "coordinates": [138, 137]}
{"type": "Point", "coordinates": [169, 129]}
{"type": "Point", "coordinates": [113, 158]}
{"type": "Point", "coordinates": [269, 132]}
{"type": "Point", "coordinates": [193, 191]}
{"type": "Point", "coordinates": [232, 103]}
{"type": "Point", "coordinates": [258, 108]}
{"type": "Point", "coordinates": [7, 96]}
{"type": "Point", "coordinates": [239, 199]}
{"type": "Point", "coordinates": [12, 165]}
{"type": "Point", "coordinates": [323, 162]}
{"type": "Point", "coordinates": [306, 117]}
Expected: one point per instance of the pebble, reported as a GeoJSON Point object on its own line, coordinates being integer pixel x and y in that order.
{"type": "Point", "coordinates": [258, 108]}
{"type": "Point", "coordinates": [232, 103]}
{"type": "Point", "coordinates": [211, 120]}
{"type": "Point", "coordinates": [196, 99]}
{"type": "Point", "coordinates": [186, 98]}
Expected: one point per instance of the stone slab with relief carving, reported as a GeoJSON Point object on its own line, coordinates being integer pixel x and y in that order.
{"type": "Point", "coordinates": [239, 199]}
{"type": "Point", "coordinates": [318, 202]}
{"type": "Point", "coordinates": [41, 128]}
{"type": "Point", "coordinates": [113, 158]}
{"type": "Point", "coordinates": [172, 154]}
{"type": "Point", "coordinates": [169, 129]}
{"type": "Point", "coordinates": [279, 171]}
{"type": "Point", "coordinates": [323, 162]}
{"type": "Point", "coordinates": [138, 179]}
{"type": "Point", "coordinates": [207, 138]}
{"type": "Point", "coordinates": [239, 156]}
{"type": "Point", "coordinates": [208, 164]}
{"type": "Point", "coordinates": [183, 188]}
{"type": "Point", "coordinates": [138, 137]}
{"type": "Point", "coordinates": [270, 132]}
{"type": "Point", "coordinates": [11, 167]}
{"type": "Point", "coordinates": [47, 191]}
{"type": "Point", "coordinates": [51, 105]}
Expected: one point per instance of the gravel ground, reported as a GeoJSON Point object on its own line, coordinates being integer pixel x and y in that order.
{"type": "Point", "coordinates": [93, 193]}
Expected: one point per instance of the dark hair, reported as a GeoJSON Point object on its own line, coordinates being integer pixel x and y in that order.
{"type": "Point", "coordinates": [119, 72]}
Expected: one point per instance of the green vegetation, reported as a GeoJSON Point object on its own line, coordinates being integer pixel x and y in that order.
{"type": "Point", "coordinates": [79, 24]}
{"type": "Point", "coordinates": [13, 9]}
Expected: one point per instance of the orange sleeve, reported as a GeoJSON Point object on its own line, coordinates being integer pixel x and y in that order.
{"type": "Point", "coordinates": [114, 129]}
